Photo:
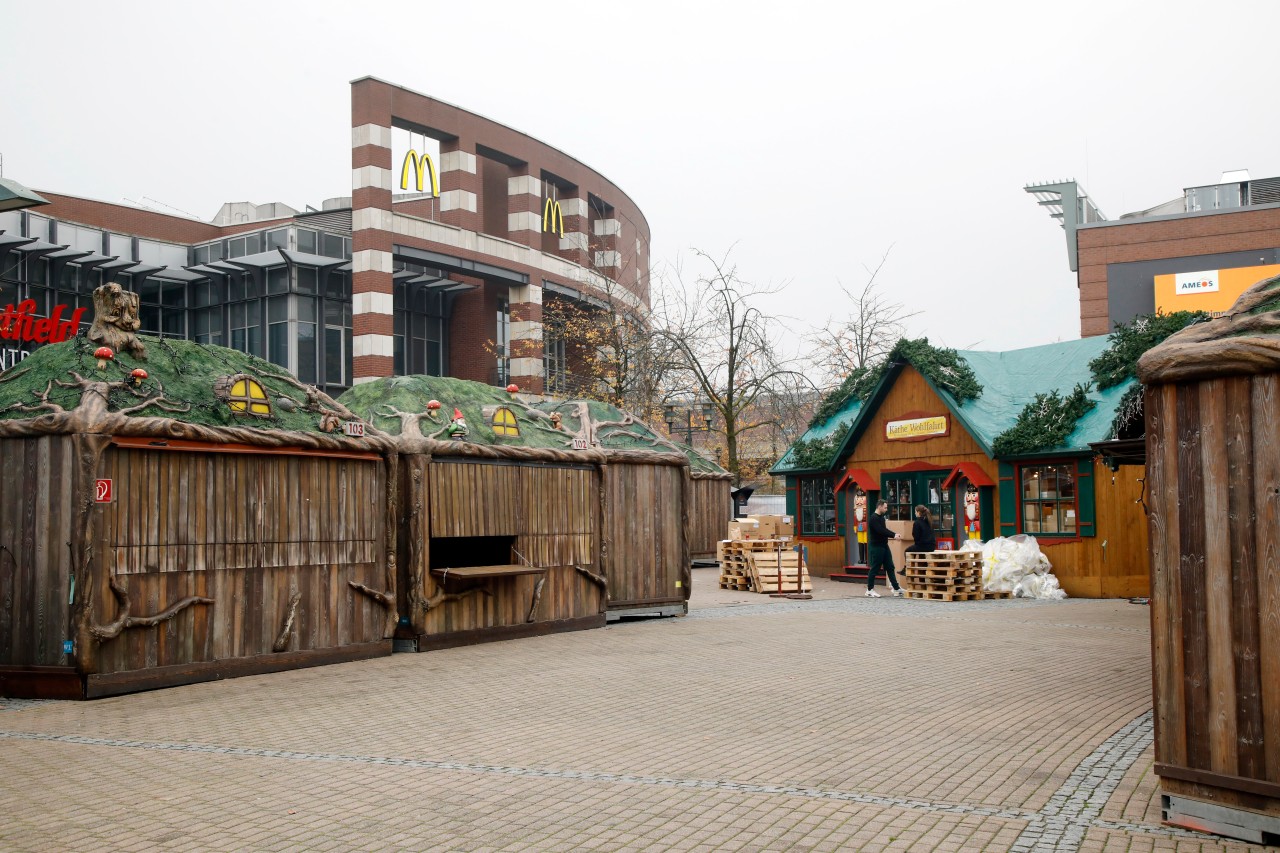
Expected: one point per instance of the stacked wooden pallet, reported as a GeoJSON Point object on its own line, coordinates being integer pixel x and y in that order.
{"type": "Point", "coordinates": [946, 576]}
{"type": "Point", "coordinates": [779, 572]}
{"type": "Point", "coordinates": [761, 565]}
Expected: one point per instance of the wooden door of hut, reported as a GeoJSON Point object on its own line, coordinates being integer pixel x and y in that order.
{"type": "Point", "coordinates": [1212, 407]}
{"type": "Point", "coordinates": [646, 550]}
{"type": "Point", "coordinates": [497, 546]}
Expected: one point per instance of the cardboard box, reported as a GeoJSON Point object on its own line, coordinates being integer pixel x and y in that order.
{"type": "Point", "coordinates": [775, 526]}
{"type": "Point", "coordinates": [744, 528]}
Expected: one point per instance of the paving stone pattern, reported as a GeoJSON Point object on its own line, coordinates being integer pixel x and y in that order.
{"type": "Point", "coordinates": [842, 723]}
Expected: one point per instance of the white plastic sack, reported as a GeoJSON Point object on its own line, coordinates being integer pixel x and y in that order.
{"type": "Point", "coordinates": [1016, 564]}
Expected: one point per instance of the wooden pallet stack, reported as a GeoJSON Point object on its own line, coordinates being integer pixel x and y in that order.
{"type": "Point", "coordinates": [779, 573]}
{"type": "Point", "coordinates": [762, 565]}
{"type": "Point", "coordinates": [946, 576]}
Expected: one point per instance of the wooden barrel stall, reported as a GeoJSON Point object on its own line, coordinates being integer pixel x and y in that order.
{"type": "Point", "coordinates": [199, 518]}
{"type": "Point", "coordinates": [710, 509]}
{"type": "Point", "coordinates": [524, 517]}
{"type": "Point", "coordinates": [1212, 407]}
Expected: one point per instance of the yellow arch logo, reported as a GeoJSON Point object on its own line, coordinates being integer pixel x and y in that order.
{"type": "Point", "coordinates": [553, 217]}
{"type": "Point", "coordinates": [418, 164]}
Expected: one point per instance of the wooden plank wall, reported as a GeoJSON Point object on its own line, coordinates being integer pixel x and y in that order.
{"type": "Point", "coordinates": [248, 532]}
{"type": "Point", "coordinates": [551, 512]}
{"type": "Point", "coordinates": [644, 533]}
{"type": "Point", "coordinates": [36, 516]}
{"type": "Point", "coordinates": [709, 513]}
{"type": "Point", "coordinates": [1213, 466]}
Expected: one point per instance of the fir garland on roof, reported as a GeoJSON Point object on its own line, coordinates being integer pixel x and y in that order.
{"type": "Point", "coordinates": [1118, 362]}
{"type": "Point", "coordinates": [816, 453]}
{"type": "Point", "coordinates": [940, 365]}
{"type": "Point", "coordinates": [1044, 423]}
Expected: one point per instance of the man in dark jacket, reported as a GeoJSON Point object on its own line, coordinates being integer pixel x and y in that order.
{"type": "Point", "coordinates": [878, 536]}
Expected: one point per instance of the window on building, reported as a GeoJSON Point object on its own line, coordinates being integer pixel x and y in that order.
{"type": "Point", "coordinates": [898, 491]}
{"type": "Point", "coordinates": [1048, 498]}
{"type": "Point", "coordinates": [337, 332]}
{"type": "Point", "coordinates": [277, 238]}
{"type": "Point", "coordinates": [278, 331]}
{"type": "Point", "coordinates": [554, 359]}
{"type": "Point", "coordinates": [502, 343]}
{"type": "Point", "coordinates": [504, 422]}
{"type": "Point", "coordinates": [817, 506]}
{"type": "Point", "coordinates": [308, 241]}
{"type": "Point", "coordinates": [306, 364]}
{"type": "Point", "coordinates": [278, 280]}
{"type": "Point", "coordinates": [331, 246]}
{"type": "Point", "coordinates": [246, 328]}
{"type": "Point", "coordinates": [246, 396]}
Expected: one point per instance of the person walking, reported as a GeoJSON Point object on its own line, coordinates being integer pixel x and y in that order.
{"type": "Point", "coordinates": [878, 536]}
{"type": "Point", "coordinates": [922, 532]}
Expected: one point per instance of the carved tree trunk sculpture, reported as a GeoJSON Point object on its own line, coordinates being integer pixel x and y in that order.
{"type": "Point", "coordinates": [115, 319]}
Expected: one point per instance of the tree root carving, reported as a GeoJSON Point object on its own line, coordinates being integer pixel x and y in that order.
{"type": "Point", "coordinates": [442, 597]}
{"type": "Point", "coordinates": [599, 580]}
{"type": "Point", "coordinates": [282, 639]}
{"type": "Point", "coordinates": [537, 597]}
{"type": "Point", "coordinates": [123, 620]}
{"type": "Point", "coordinates": [386, 599]}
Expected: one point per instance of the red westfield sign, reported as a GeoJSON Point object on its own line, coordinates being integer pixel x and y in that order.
{"type": "Point", "coordinates": [20, 324]}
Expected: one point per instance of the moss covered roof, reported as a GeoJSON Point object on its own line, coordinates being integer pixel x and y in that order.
{"type": "Point", "coordinates": [180, 379]}
{"type": "Point", "coordinates": [386, 403]}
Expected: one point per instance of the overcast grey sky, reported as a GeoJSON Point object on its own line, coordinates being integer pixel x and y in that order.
{"type": "Point", "coordinates": [810, 137]}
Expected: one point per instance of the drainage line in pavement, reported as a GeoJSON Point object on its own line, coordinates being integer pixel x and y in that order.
{"type": "Point", "coordinates": [1059, 826]}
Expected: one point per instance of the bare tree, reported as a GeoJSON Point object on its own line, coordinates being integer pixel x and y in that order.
{"type": "Point", "coordinates": [728, 354]}
{"type": "Point", "coordinates": [612, 350]}
{"type": "Point", "coordinates": [866, 335]}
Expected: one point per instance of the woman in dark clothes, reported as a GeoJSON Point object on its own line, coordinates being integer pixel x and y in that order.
{"type": "Point", "coordinates": [922, 531]}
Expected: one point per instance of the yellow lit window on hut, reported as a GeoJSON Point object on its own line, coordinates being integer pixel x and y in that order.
{"type": "Point", "coordinates": [246, 397]}
{"type": "Point", "coordinates": [504, 422]}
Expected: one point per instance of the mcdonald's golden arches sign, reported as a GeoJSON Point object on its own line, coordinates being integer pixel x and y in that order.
{"type": "Point", "coordinates": [552, 217]}
{"type": "Point", "coordinates": [418, 164]}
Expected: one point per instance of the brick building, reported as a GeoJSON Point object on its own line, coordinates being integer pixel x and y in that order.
{"type": "Point", "coordinates": [1197, 252]}
{"type": "Point", "coordinates": [457, 230]}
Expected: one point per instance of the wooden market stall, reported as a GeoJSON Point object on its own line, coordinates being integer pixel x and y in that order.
{"type": "Point", "coordinates": [524, 518]}
{"type": "Point", "coordinates": [926, 428]}
{"type": "Point", "coordinates": [710, 508]}
{"type": "Point", "coordinates": [1213, 469]}
{"type": "Point", "coordinates": [182, 513]}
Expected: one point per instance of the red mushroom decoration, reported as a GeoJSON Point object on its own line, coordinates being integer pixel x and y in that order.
{"type": "Point", "coordinates": [138, 375]}
{"type": "Point", "coordinates": [433, 406]}
{"type": "Point", "coordinates": [513, 388]}
{"type": "Point", "coordinates": [103, 355]}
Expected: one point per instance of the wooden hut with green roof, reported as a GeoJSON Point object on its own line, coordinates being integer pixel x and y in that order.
{"type": "Point", "coordinates": [525, 516]}
{"type": "Point", "coordinates": [993, 443]}
{"type": "Point", "coordinates": [179, 513]}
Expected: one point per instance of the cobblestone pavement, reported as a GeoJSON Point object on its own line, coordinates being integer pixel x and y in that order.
{"type": "Point", "coordinates": [842, 723]}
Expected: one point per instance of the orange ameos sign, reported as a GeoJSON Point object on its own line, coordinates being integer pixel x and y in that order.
{"type": "Point", "coordinates": [1214, 291]}
{"type": "Point", "coordinates": [917, 428]}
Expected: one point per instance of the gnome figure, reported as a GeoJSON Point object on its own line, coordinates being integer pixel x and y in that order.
{"type": "Point", "coordinates": [458, 426]}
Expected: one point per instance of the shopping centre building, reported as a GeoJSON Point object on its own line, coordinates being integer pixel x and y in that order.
{"type": "Point", "coordinates": [1197, 252]}
{"type": "Point", "coordinates": [457, 233]}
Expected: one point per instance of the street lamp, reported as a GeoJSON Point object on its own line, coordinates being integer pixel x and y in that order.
{"type": "Point", "coordinates": [671, 414]}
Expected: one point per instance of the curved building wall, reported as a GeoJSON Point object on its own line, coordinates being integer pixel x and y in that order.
{"type": "Point", "coordinates": [448, 281]}
{"type": "Point", "coordinates": [509, 220]}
